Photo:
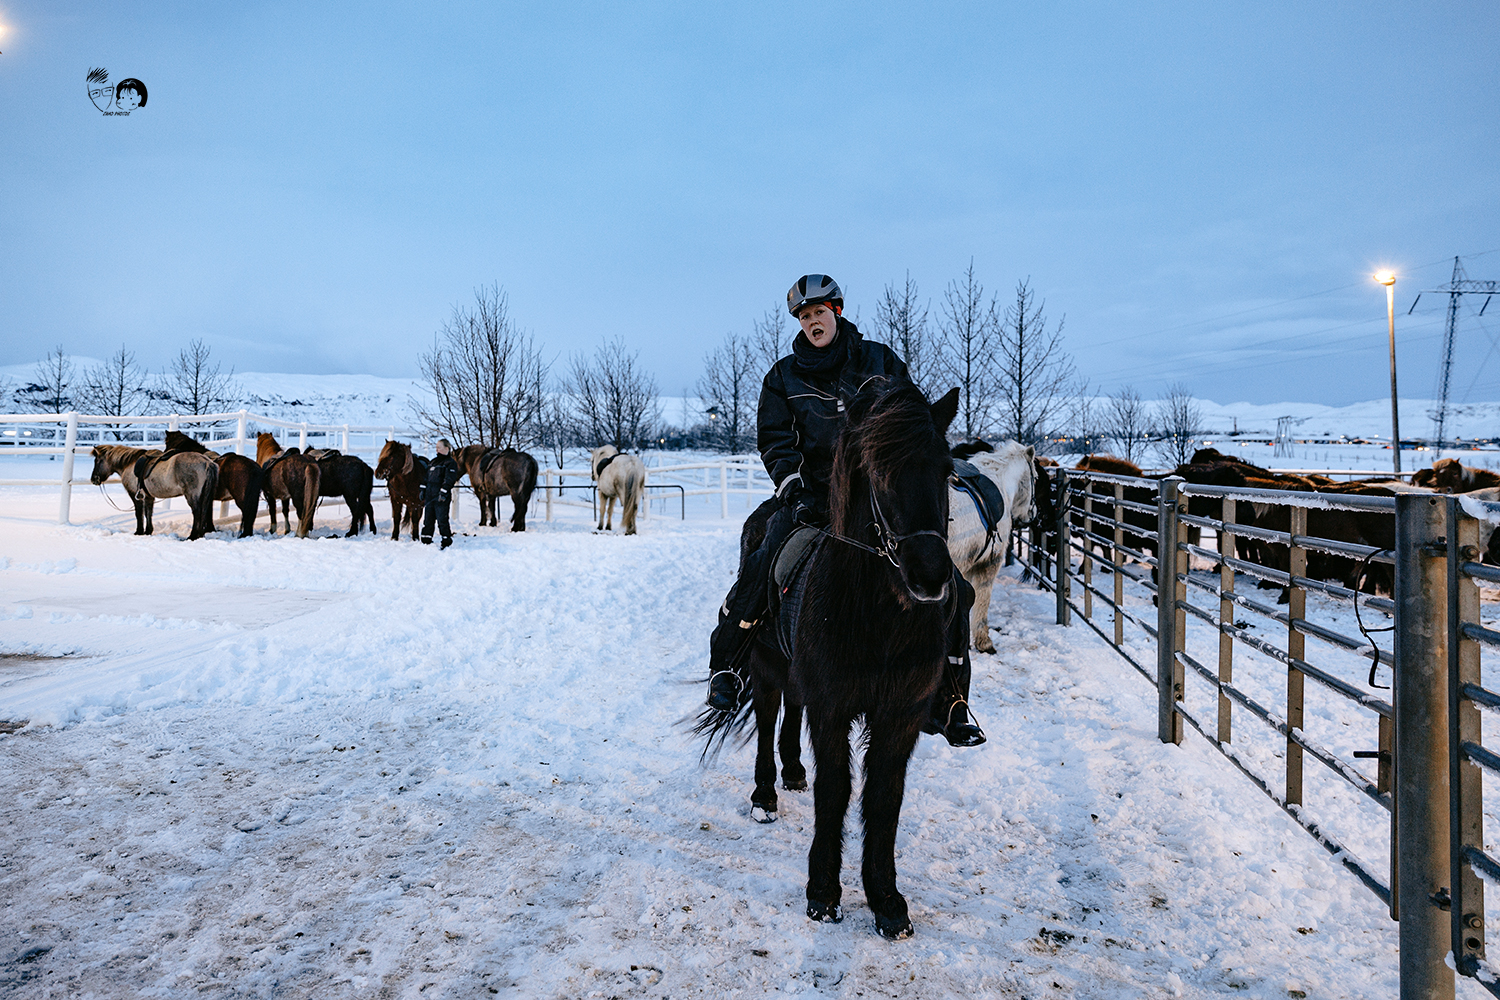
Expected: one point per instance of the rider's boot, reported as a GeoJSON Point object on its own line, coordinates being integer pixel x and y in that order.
{"type": "Point", "coordinates": [728, 685]}
{"type": "Point", "coordinates": [950, 704]}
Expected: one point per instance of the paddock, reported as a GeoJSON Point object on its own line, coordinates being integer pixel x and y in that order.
{"type": "Point", "coordinates": [334, 766]}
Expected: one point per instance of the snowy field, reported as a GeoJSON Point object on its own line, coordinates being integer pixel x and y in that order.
{"type": "Point", "coordinates": [351, 767]}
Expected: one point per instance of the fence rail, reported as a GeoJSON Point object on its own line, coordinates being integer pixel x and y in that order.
{"type": "Point", "coordinates": [1429, 756]}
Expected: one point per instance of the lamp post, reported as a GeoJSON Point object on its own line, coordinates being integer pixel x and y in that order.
{"type": "Point", "coordinates": [1388, 279]}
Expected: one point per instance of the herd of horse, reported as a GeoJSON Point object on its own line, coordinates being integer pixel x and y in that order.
{"type": "Point", "coordinates": [297, 479]}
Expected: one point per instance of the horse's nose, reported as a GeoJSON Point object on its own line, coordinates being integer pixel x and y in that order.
{"type": "Point", "coordinates": [927, 568]}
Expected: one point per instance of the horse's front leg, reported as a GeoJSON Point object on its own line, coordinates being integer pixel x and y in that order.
{"type": "Point", "coordinates": [396, 506]}
{"type": "Point", "coordinates": [891, 743]}
{"type": "Point", "coordinates": [831, 786]}
{"type": "Point", "coordinates": [149, 506]}
{"type": "Point", "coordinates": [763, 800]}
{"type": "Point", "coordinates": [286, 513]}
{"type": "Point", "coordinates": [793, 774]}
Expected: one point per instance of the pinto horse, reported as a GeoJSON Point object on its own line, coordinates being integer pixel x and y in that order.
{"type": "Point", "coordinates": [871, 609]}
{"type": "Point", "coordinates": [979, 550]}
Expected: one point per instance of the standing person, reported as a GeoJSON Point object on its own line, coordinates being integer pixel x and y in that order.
{"type": "Point", "coordinates": [802, 402]}
{"type": "Point", "coordinates": [437, 493]}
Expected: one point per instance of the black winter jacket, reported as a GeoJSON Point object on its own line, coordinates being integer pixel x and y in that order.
{"type": "Point", "coordinates": [441, 475]}
{"type": "Point", "coordinates": [801, 413]}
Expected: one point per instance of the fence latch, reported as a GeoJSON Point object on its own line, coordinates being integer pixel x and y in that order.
{"type": "Point", "coordinates": [1442, 899]}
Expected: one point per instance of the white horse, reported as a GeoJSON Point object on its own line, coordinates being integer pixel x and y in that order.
{"type": "Point", "coordinates": [978, 553]}
{"type": "Point", "coordinates": [620, 476]}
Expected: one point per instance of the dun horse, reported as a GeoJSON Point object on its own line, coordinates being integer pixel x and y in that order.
{"type": "Point", "coordinates": [290, 477]}
{"type": "Point", "coordinates": [620, 477]}
{"type": "Point", "coordinates": [403, 472]}
{"type": "Point", "coordinates": [152, 475]}
{"type": "Point", "coordinates": [865, 622]}
{"type": "Point", "coordinates": [495, 472]}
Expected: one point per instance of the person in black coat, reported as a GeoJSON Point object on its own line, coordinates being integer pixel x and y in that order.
{"type": "Point", "coordinates": [802, 402]}
{"type": "Point", "coordinates": [437, 493]}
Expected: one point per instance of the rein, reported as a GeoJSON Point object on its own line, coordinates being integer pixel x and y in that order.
{"type": "Point", "coordinates": [888, 539]}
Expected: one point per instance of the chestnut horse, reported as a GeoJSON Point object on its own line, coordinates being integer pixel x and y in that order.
{"type": "Point", "coordinates": [189, 475]}
{"type": "Point", "coordinates": [404, 472]}
{"type": "Point", "coordinates": [239, 478]}
{"type": "Point", "coordinates": [496, 471]}
{"type": "Point", "coordinates": [289, 476]}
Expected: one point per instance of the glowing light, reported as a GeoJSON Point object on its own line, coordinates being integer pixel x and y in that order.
{"type": "Point", "coordinates": [1386, 277]}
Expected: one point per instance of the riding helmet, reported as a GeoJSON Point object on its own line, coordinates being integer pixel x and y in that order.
{"type": "Point", "coordinates": [812, 289]}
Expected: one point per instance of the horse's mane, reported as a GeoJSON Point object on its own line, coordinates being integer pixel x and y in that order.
{"type": "Point", "coordinates": [964, 449]}
{"type": "Point", "coordinates": [888, 426]}
{"type": "Point", "coordinates": [178, 441]}
{"type": "Point", "coordinates": [122, 454]}
{"type": "Point", "coordinates": [1109, 464]}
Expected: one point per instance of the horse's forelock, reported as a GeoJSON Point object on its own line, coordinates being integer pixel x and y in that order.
{"type": "Point", "coordinates": [888, 428]}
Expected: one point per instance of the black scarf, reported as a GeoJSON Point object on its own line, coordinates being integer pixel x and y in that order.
{"type": "Point", "coordinates": [822, 361]}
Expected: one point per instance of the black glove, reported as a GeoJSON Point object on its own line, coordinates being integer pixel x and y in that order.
{"type": "Point", "coordinates": [422, 493]}
{"type": "Point", "coordinates": [445, 496]}
{"type": "Point", "coordinates": [805, 508]}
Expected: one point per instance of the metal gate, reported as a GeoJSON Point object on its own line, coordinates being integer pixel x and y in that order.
{"type": "Point", "coordinates": [1428, 751]}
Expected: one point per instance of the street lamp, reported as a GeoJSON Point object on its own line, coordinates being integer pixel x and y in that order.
{"type": "Point", "coordinates": [1388, 279]}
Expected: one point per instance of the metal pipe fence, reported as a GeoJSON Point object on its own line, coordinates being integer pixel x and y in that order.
{"type": "Point", "coordinates": [1430, 755]}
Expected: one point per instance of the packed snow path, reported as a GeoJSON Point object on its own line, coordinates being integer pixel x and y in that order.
{"type": "Point", "coordinates": [352, 767]}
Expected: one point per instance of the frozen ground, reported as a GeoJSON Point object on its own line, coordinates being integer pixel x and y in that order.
{"type": "Point", "coordinates": [350, 767]}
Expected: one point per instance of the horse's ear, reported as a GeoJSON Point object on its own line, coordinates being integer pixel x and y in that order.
{"type": "Point", "coordinates": [944, 410]}
{"type": "Point", "coordinates": [1031, 452]}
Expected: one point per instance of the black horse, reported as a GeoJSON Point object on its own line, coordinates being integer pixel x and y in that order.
{"type": "Point", "coordinates": [348, 477]}
{"type": "Point", "coordinates": [872, 607]}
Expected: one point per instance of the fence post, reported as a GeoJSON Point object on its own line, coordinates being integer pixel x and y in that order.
{"type": "Point", "coordinates": [1226, 616]}
{"type": "Point", "coordinates": [1117, 559]}
{"type": "Point", "coordinates": [1421, 709]}
{"type": "Point", "coordinates": [1064, 554]}
{"type": "Point", "coordinates": [1169, 679]}
{"type": "Point", "coordinates": [302, 437]}
{"type": "Point", "coordinates": [345, 448]}
{"type": "Point", "coordinates": [1088, 552]}
{"type": "Point", "coordinates": [1466, 812]}
{"type": "Point", "coordinates": [547, 485]}
{"type": "Point", "coordinates": [241, 431]}
{"type": "Point", "coordinates": [723, 490]}
{"type": "Point", "coordinates": [70, 441]}
{"type": "Point", "coordinates": [1296, 650]}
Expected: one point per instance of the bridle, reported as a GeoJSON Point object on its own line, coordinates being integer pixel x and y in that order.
{"type": "Point", "coordinates": [887, 540]}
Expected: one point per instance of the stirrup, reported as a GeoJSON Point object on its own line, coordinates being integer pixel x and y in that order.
{"type": "Point", "coordinates": [739, 691]}
{"type": "Point", "coordinates": [975, 733]}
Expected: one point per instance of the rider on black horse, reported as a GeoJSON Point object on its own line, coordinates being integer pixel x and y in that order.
{"type": "Point", "coordinates": [802, 401]}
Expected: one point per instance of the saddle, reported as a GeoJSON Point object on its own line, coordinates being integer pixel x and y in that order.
{"type": "Point", "coordinates": [599, 470]}
{"type": "Point", "coordinates": [788, 575]}
{"type": "Point", "coordinates": [147, 462]}
{"type": "Point", "coordinates": [488, 459]}
{"type": "Point", "coordinates": [988, 500]}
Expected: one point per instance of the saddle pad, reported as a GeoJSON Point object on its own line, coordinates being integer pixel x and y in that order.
{"type": "Point", "coordinates": [789, 557]}
{"type": "Point", "coordinates": [988, 500]}
{"type": "Point", "coordinates": [488, 459]}
{"type": "Point", "coordinates": [599, 470]}
{"type": "Point", "coordinates": [143, 467]}
{"type": "Point", "coordinates": [789, 576]}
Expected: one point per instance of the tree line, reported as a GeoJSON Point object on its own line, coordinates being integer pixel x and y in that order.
{"type": "Point", "coordinates": [192, 383]}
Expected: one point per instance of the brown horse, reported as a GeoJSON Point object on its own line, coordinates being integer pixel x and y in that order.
{"type": "Point", "coordinates": [348, 477]}
{"type": "Point", "coordinates": [496, 471]}
{"type": "Point", "coordinates": [288, 476]}
{"type": "Point", "coordinates": [239, 478]}
{"type": "Point", "coordinates": [162, 474]}
{"type": "Point", "coordinates": [403, 472]}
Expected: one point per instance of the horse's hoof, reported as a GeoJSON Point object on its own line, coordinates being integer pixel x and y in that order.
{"type": "Point", "coordinates": [895, 929]}
{"type": "Point", "coordinates": [825, 913]}
{"type": "Point", "coordinates": [794, 784]}
{"type": "Point", "coordinates": [761, 814]}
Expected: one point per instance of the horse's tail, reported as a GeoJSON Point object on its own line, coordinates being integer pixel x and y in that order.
{"type": "Point", "coordinates": [203, 503]}
{"type": "Point", "coordinates": [716, 725]}
{"type": "Point", "coordinates": [634, 486]}
{"type": "Point", "coordinates": [311, 480]}
{"type": "Point", "coordinates": [250, 503]}
{"type": "Point", "coordinates": [529, 486]}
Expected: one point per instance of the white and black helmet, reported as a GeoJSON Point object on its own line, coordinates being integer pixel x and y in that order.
{"type": "Point", "coordinates": [812, 289]}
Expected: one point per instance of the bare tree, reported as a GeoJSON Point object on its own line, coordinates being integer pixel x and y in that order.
{"type": "Point", "coordinates": [1127, 423]}
{"type": "Point", "coordinates": [1179, 421]}
{"type": "Point", "coordinates": [901, 321]}
{"type": "Point", "coordinates": [194, 383]}
{"type": "Point", "coordinates": [730, 393]}
{"type": "Point", "coordinates": [52, 377]}
{"type": "Point", "coordinates": [486, 376]}
{"type": "Point", "coordinates": [554, 426]}
{"type": "Point", "coordinates": [116, 388]}
{"type": "Point", "coordinates": [770, 340]}
{"type": "Point", "coordinates": [1035, 372]}
{"type": "Point", "coordinates": [970, 327]}
{"type": "Point", "coordinates": [614, 401]}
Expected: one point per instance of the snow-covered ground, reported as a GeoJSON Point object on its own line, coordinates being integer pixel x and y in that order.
{"type": "Point", "coordinates": [350, 767]}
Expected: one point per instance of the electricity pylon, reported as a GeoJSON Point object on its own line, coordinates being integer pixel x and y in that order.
{"type": "Point", "coordinates": [1456, 289]}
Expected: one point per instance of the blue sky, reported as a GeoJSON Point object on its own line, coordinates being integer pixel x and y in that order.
{"type": "Point", "coordinates": [1201, 189]}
